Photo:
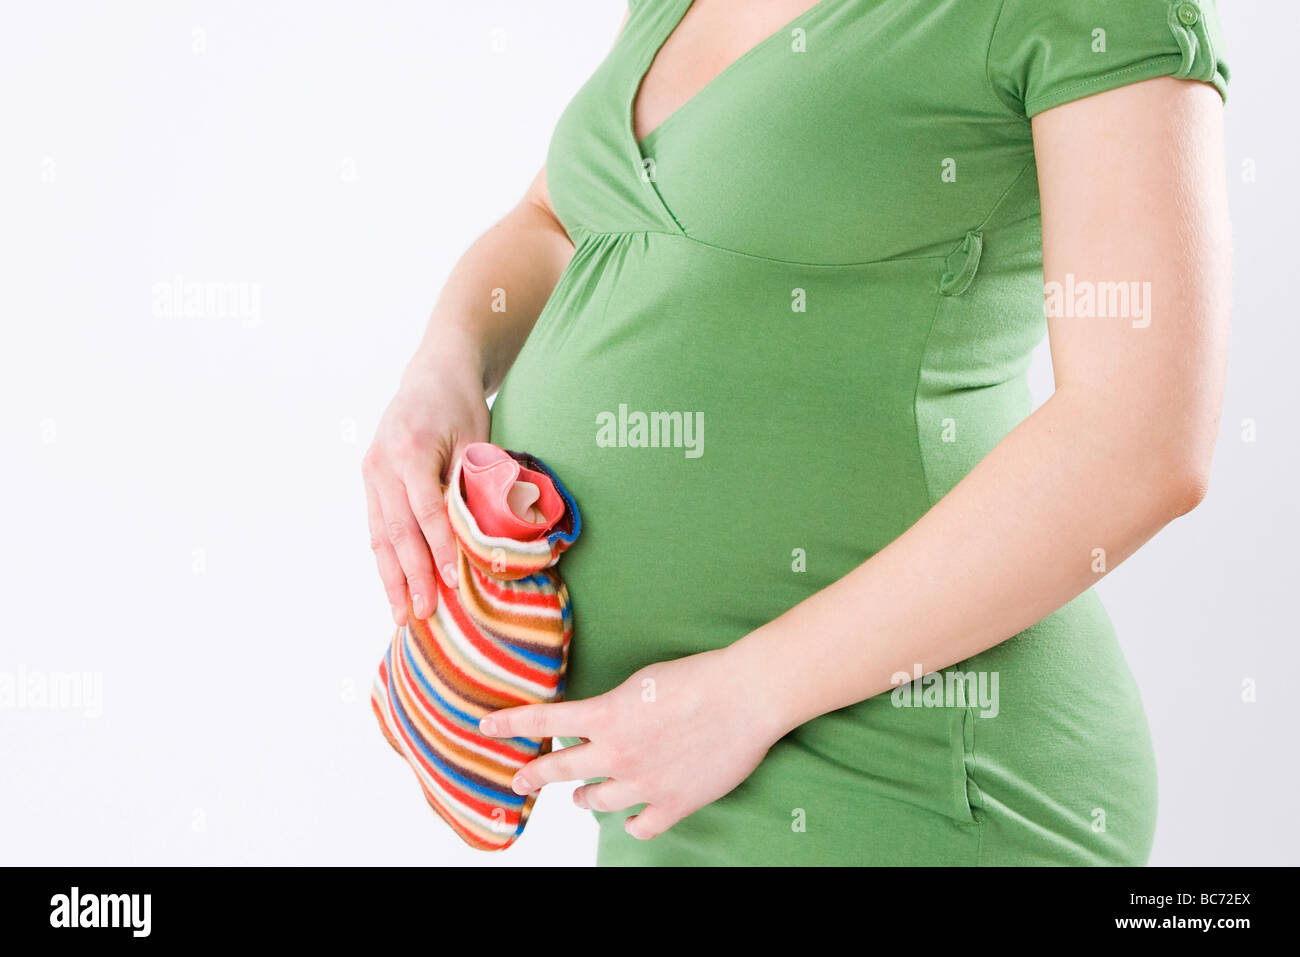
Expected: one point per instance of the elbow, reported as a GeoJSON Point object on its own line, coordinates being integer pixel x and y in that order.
{"type": "Point", "coordinates": [1177, 456]}
{"type": "Point", "coordinates": [1182, 487]}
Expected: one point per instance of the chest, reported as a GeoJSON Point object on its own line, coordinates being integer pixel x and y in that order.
{"type": "Point", "coordinates": [845, 131]}
{"type": "Point", "coordinates": [710, 37]}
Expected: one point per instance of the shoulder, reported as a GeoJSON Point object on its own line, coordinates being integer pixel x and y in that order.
{"type": "Point", "coordinates": [1043, 53]}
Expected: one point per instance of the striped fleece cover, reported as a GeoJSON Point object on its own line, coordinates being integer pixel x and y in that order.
{"type": "Point", "coordinates": [499, 640]}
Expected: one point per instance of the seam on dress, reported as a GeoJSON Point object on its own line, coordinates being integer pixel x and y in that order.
{"type": "Point", "coordinates": [916, 396]}
{"type": "Point", "coordinates": [632, 232]}
{"type": "Point", "coordinates": [663, 204]}
{"type": "Point", "coordinates": [796, 262]}
{"type": "Point", "coordinates": [644, 65]}
{"type": "Point", "coordinates": [765, 259]}
{"type": "Point", "coordinates": [929, 336]}
{"type": "Point", "coordinates": [1015, 181]}
{"type": "Point", "coordinates": [930, 495]}
{"type": "Point", "coordinates": [1099, 81]}
{"type": "Point", "coordinates": [988, 59]}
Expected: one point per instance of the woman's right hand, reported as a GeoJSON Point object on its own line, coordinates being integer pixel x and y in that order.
{"type": "Point", "coordinates": [437, 411]}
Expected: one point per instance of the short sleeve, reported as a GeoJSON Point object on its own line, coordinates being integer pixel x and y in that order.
{"type": "Point", "coordinates": [1047, 52]}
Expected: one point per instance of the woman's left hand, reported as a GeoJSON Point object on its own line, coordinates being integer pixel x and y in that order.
{"type": "Point", "coordinates": [674, 736]}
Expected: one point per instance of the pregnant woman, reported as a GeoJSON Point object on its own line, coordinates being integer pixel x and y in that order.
{"type": "Point", "coordinates": [768, 310]}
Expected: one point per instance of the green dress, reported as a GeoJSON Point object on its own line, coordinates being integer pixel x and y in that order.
{"type": "Point", "coordinates": [797, 314]}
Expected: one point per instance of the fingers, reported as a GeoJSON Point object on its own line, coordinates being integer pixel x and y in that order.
{"type": "Point", "coordinates": [651, 822]}
{"type": "Point", "coordinates": [607, 795]}
{"type": "Point", "coordinates": [390, 570]}
{"type": "Point", "coordinates": [408, 543]}
{"type": "Point", "coordinates": [566, 764]}
{"type": "Point", "coordinates": [424, 493]}
{"type": "Point", "coordinates": [568, 719]}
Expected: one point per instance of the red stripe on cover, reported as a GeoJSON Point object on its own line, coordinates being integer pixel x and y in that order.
{"type": "Point", "coordinates": [471, 800]}
{"type": "Point", "coordinates": [427, 641]}
{"type": "Point", "coordinates": [493, 654]}
{"type": "Point", "coordinates": [502, 747]}
{"type": "Point", "coordinates": [529, 599]}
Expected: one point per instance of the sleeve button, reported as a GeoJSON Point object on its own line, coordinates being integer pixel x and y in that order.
{"type": "Point", "coordinates": [1188, 14]}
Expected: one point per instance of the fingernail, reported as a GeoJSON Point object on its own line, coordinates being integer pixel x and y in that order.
{"type": "Point", "coordinates": [520, 785]}
{"type": "Point", "coordinates": [449, 575]}
{"type": "Point", "coordinates": [417, 602]}
{"type": "Point", "coordinates": [579, 800]}
{"type": "Point", "coordinates": [487, 725]}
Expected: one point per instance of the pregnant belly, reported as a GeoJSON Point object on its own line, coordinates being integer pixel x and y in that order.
{"type": "Point", "coordinates": [738, 434]}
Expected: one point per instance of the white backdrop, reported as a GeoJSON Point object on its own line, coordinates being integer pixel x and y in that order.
{"type": "Point", "coordinates": [185, 562]}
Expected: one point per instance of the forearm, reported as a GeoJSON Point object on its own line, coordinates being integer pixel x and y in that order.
{"type": "Point", "coordinates": [494, 295]}
{"type": "Point", "coordinates": [1065, 497]}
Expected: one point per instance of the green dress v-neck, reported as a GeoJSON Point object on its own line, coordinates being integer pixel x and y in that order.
{"type": "Point", "coordinates": [797, 314]}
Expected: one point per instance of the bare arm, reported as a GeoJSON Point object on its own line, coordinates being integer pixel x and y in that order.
{"type": "Point", "coordinates": [523, 256]}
